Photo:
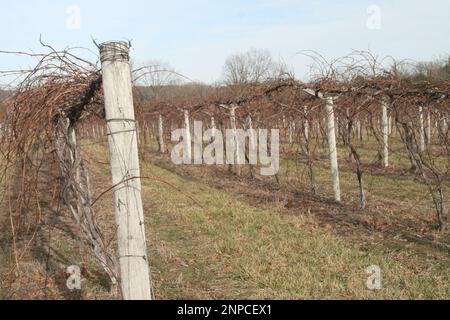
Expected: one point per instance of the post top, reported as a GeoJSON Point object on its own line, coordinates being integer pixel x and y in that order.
{"type": "Point", "coordinates": [114, 51]}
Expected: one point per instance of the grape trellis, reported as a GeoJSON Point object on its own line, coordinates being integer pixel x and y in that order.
{"type": "Point", "coordinates": [329, 107]}
{"type": "Point", "coordinates": [60, 101]}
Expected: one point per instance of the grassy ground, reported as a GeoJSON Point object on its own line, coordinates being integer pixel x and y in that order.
{"type": "Point", "coordinates": [215, 238]}
{"type": "Point", "coordinates": [393, 194]}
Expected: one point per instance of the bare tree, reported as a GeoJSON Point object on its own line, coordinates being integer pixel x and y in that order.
{"type": "Point", "coordinates": [438, 69]}
{"type": "Point", "coordinates": [156, 76]}
{"type": "Point", "coordinates": [253, 66]}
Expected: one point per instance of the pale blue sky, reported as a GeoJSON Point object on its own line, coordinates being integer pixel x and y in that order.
{"type": "Point", "coordinates": [196, 36]}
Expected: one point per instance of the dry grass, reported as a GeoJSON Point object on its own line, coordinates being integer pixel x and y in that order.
{"type": "Point", "coordinates": [209, 243]}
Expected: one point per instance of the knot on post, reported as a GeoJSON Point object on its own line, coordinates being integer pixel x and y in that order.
{"type": "Point", "coordinates": [113, 51]}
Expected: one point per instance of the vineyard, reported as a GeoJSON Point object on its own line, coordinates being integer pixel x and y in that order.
{"type": "Point", "coordinates": [363, 180]}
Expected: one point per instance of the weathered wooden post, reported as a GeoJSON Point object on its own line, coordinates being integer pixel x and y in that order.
{"type": "Point", "coordinates": [188, 142]}
{"type": "Point", "coordinates": [252, 137]}
{"type": "Point", "coordinates": [150, 133]}
{"type": "Point", "coordinates": [123, 146]}
{"type": "Point", "coordinates": [237, 158]}
{"type": "Point", "coordinates": [306, 123]}
{"type": "Point", "coordinates": [358, 130]}
{"type": "Point", "coordinates": [421, 130]}
{"type": "Point", "coordinates": [331, 137]}
{"type": "Point", "coordinates": [385, 130]}
{"type": "Point", "coordinates": [444, 125]}
{"type": "Point", "coordinates": [162, 146]}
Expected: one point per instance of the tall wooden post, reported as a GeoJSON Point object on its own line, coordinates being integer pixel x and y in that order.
{"type": "Point", "coordinates": [331, 137]}
{"type": "Point", "coordinates": [421, 130]}
{"type": "Point", "coordinates": [444, 126]}
{"type": "Point", "coordinates": [385, 130]}
{"type": "Point", "coordinates": [188, 142]}
{"type": "Point", "coordinates": [162, 145]}
{"type": "Point", "coordinates": [306, 123]}
{"type": "Point", "coordinates": [237, 158]}
{"type": "Point", "coordinates": [291, 132]}
{"type": "Point", "coordinates": [123, 146]}
{"type": "Point", "coordinates": [358, 130]}
{"type": "Point", "coordinates": [428, 127]}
